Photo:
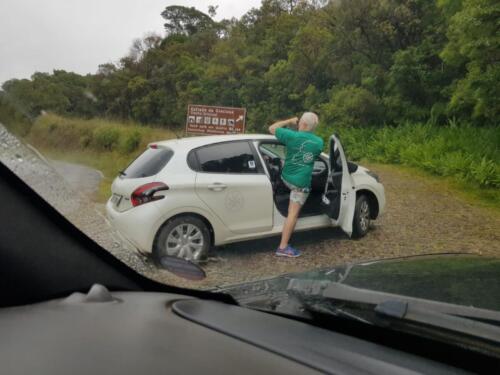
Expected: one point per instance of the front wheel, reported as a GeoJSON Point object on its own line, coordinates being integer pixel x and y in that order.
{"type": "Point", "coordinates": [185, 237]}
{"type": "Point", "coordinates": [361, 221]}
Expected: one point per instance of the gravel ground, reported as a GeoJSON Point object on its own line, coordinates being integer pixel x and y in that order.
{"type": "Point", "coordinates": [422, 217]}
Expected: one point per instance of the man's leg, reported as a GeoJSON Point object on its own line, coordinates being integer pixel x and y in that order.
{"type": "Point", "coordinates": [291, 220]}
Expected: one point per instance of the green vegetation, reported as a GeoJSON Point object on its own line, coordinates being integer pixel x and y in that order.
{"type": "Point", "coordinates": [356, 62]}
{"type": "Point", "coordinates": [466, 153]}
{"type": "Point", "coordinates": [95, 135]}
{"type": "Point", "coordinates": [468, 157]}
{"type": "Point", "coordinates": [101, 144]}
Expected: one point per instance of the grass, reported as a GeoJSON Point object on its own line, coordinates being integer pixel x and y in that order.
{"type": "Point", "coordinates": [467, 157]}
{"type": "Point", "coordinates": [101, 144]}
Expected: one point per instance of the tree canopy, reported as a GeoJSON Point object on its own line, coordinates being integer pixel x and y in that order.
{"type": "Point", "coordinates": [356, 62]}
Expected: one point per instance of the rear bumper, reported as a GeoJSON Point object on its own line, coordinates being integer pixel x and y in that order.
{"type": "Point", "coordinates": [133, 229]}
{"type": "Point", "coordinates": [120, 241]}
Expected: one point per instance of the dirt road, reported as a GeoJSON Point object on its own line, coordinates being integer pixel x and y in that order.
{"type": "Point", "coordinates": [422, 217]}
{"type": "Point", "coordinates": [83, 179]}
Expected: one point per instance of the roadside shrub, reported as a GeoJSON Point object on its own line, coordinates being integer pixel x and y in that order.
{"type": "Point", "coordinates": [486, 173]}
{"type": "Point", "coordinates": [85, 141]}
{"type": "Point", "coordinates": [130, 142]}
{"type": "Point", "coordinates": [52, 127]}
{"type": "Point", "coordinates": [106, 138]}
{"type": "Point", "coordinates": [101, 135]}
{"type": "Point", "coordinates": [463, 152]}
{"type": "Point", "coordinates": [352, 106]}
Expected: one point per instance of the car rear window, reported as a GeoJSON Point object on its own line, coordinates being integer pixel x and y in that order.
{"type": "Point", "coordinates": [149, 163]}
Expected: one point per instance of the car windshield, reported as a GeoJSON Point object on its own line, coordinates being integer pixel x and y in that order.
{"type": "Point", "coordinates": [352, 142]}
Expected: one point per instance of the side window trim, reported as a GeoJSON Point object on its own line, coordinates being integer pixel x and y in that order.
{"type": "Point", "coordinates": [261, 160]}
{"type": "Point", "coordinates": [256, 157]}
{"type": "Point", "coordinates": [197, 167]}
{"type": "Point", "coordinates": [192, 160]}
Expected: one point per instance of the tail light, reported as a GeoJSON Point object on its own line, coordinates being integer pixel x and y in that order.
{"type": "Point", "coordinates": [146, 193]}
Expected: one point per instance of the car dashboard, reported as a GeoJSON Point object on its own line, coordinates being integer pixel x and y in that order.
{"type": "Point", "coordinates": [140, 332]}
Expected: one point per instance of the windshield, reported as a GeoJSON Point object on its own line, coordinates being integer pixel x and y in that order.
{"type": "Point", "coordinates": [272, 138]}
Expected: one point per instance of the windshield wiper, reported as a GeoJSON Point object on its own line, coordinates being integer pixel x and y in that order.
{"type": "Point", "coordinates": [471, 327]}
{"type": "Point", "coordinates": [122, 173]}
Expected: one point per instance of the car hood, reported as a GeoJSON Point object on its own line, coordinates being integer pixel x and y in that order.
{"type": "Point", "coordinates": [463, 279]}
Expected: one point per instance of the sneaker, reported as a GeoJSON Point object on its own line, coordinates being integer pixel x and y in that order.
{"type": "Point", "coordinates": [288, 251]}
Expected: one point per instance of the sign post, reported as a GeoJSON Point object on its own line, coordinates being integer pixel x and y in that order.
{"type": "Point", "coordinates": [210, 120]}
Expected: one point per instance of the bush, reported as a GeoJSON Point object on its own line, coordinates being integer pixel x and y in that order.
{"type": "Point", "coordinates": [85, 141]}
{"type": "Point", "coordinates": [485, 172]}
{"type": "Point", "coordinates": [466, 153]}
{"type": "Point", "coordinates": [17, 121]}
{"type": "Point", "coordinates": [106, 138]}
{"type": "Point", "coordinates": [352, 106]}
{"type": "Point", "coordinates": [73, 134]}
{"type": "Point", "coordinates": [130, 142]}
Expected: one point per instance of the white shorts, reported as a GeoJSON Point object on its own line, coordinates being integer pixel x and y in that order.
{"type": "Point", "coordinates": [297, 194]}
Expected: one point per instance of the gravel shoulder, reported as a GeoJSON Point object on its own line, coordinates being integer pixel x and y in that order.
{"type": "Point", "coordinates": [423, 217]}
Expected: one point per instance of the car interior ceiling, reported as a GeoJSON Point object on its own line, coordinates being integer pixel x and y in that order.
{"type": "Point", "coordinates": [281, 192]}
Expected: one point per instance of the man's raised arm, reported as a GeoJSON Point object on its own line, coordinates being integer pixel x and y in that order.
{"type": "Point", "coordinates": [280, 124]}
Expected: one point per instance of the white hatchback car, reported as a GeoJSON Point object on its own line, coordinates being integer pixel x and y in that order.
{"type": "Point", "coordinates": [182, 196]}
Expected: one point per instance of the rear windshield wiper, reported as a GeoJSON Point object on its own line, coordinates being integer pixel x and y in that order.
{"type": "Point", "coordinates": [474, 328]}
{"type": "Point", "coordinates": [122, 173]}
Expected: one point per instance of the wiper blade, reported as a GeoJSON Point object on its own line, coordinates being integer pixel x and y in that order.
{"type": "Point", "coordinates": [397, 312]}
{"type": "Point", "coordinates": [471, 327]}
{"type": "Point", "coordinates": [122, 173]}
{"type": "Point", "coordinates": [353, 295]}
{"type": "Point", "coordinates": [303, 301]}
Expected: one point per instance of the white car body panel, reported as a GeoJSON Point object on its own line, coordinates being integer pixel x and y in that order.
{"type": "Point", "coordinates": [243, 202]}
{"type": "Point", "coordinates": [231, 218]}
{"type": "Point", "coordinates": [364, 182]}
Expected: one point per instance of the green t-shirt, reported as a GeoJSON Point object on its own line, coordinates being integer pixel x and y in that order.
{"type": "Point", "coordinates": [302, 149]}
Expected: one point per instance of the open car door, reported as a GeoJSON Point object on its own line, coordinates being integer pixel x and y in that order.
{"type": "Point", "coordinates": [340, 194]}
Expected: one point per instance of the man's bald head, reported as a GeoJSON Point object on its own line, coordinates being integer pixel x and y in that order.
{"type": "Point", "coordinates": [308, 122]}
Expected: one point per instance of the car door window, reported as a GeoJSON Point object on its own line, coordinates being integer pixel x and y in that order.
{"type": "Point", "coordinates": [276, 150]}
{"type": "Point", "coordinates": [228, 157]}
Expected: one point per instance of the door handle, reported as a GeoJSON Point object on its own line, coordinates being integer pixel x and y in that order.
{"type": "Point", "coordinates": [217, 186]}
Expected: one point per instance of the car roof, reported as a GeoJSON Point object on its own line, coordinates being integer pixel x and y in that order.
{"type": "Point", "coordinates": [192, 142]}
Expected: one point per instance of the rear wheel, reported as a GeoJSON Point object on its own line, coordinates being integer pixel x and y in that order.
{"type": "Point", "coordinates": [185, 237]}
{"type": "Point", "coordinates": [361, 221]}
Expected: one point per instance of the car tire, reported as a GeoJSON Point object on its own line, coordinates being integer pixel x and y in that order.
{"type": "Point", "coordinates": [186, 237]}
{"type": "Point", "coordinates": [361, 221]}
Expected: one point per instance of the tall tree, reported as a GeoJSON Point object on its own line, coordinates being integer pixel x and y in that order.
{"type": "Point", "coordinates": [474, 44]}
{"type": "Point", "coordinates": [184, 20]}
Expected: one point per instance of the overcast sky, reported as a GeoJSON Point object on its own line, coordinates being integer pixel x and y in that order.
{"type": "Point", "coordinates": [78, 35]}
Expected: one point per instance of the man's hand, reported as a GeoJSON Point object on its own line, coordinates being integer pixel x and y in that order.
{"type": "Point", "coordinates": [280, 124]}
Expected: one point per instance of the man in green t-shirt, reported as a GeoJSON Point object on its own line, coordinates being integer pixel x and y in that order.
{"type": "Point", "coordinates": [302, 149]}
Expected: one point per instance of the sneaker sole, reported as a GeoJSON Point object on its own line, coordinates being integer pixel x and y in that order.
{"type": "Point", "coordinates": [286, 255]}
